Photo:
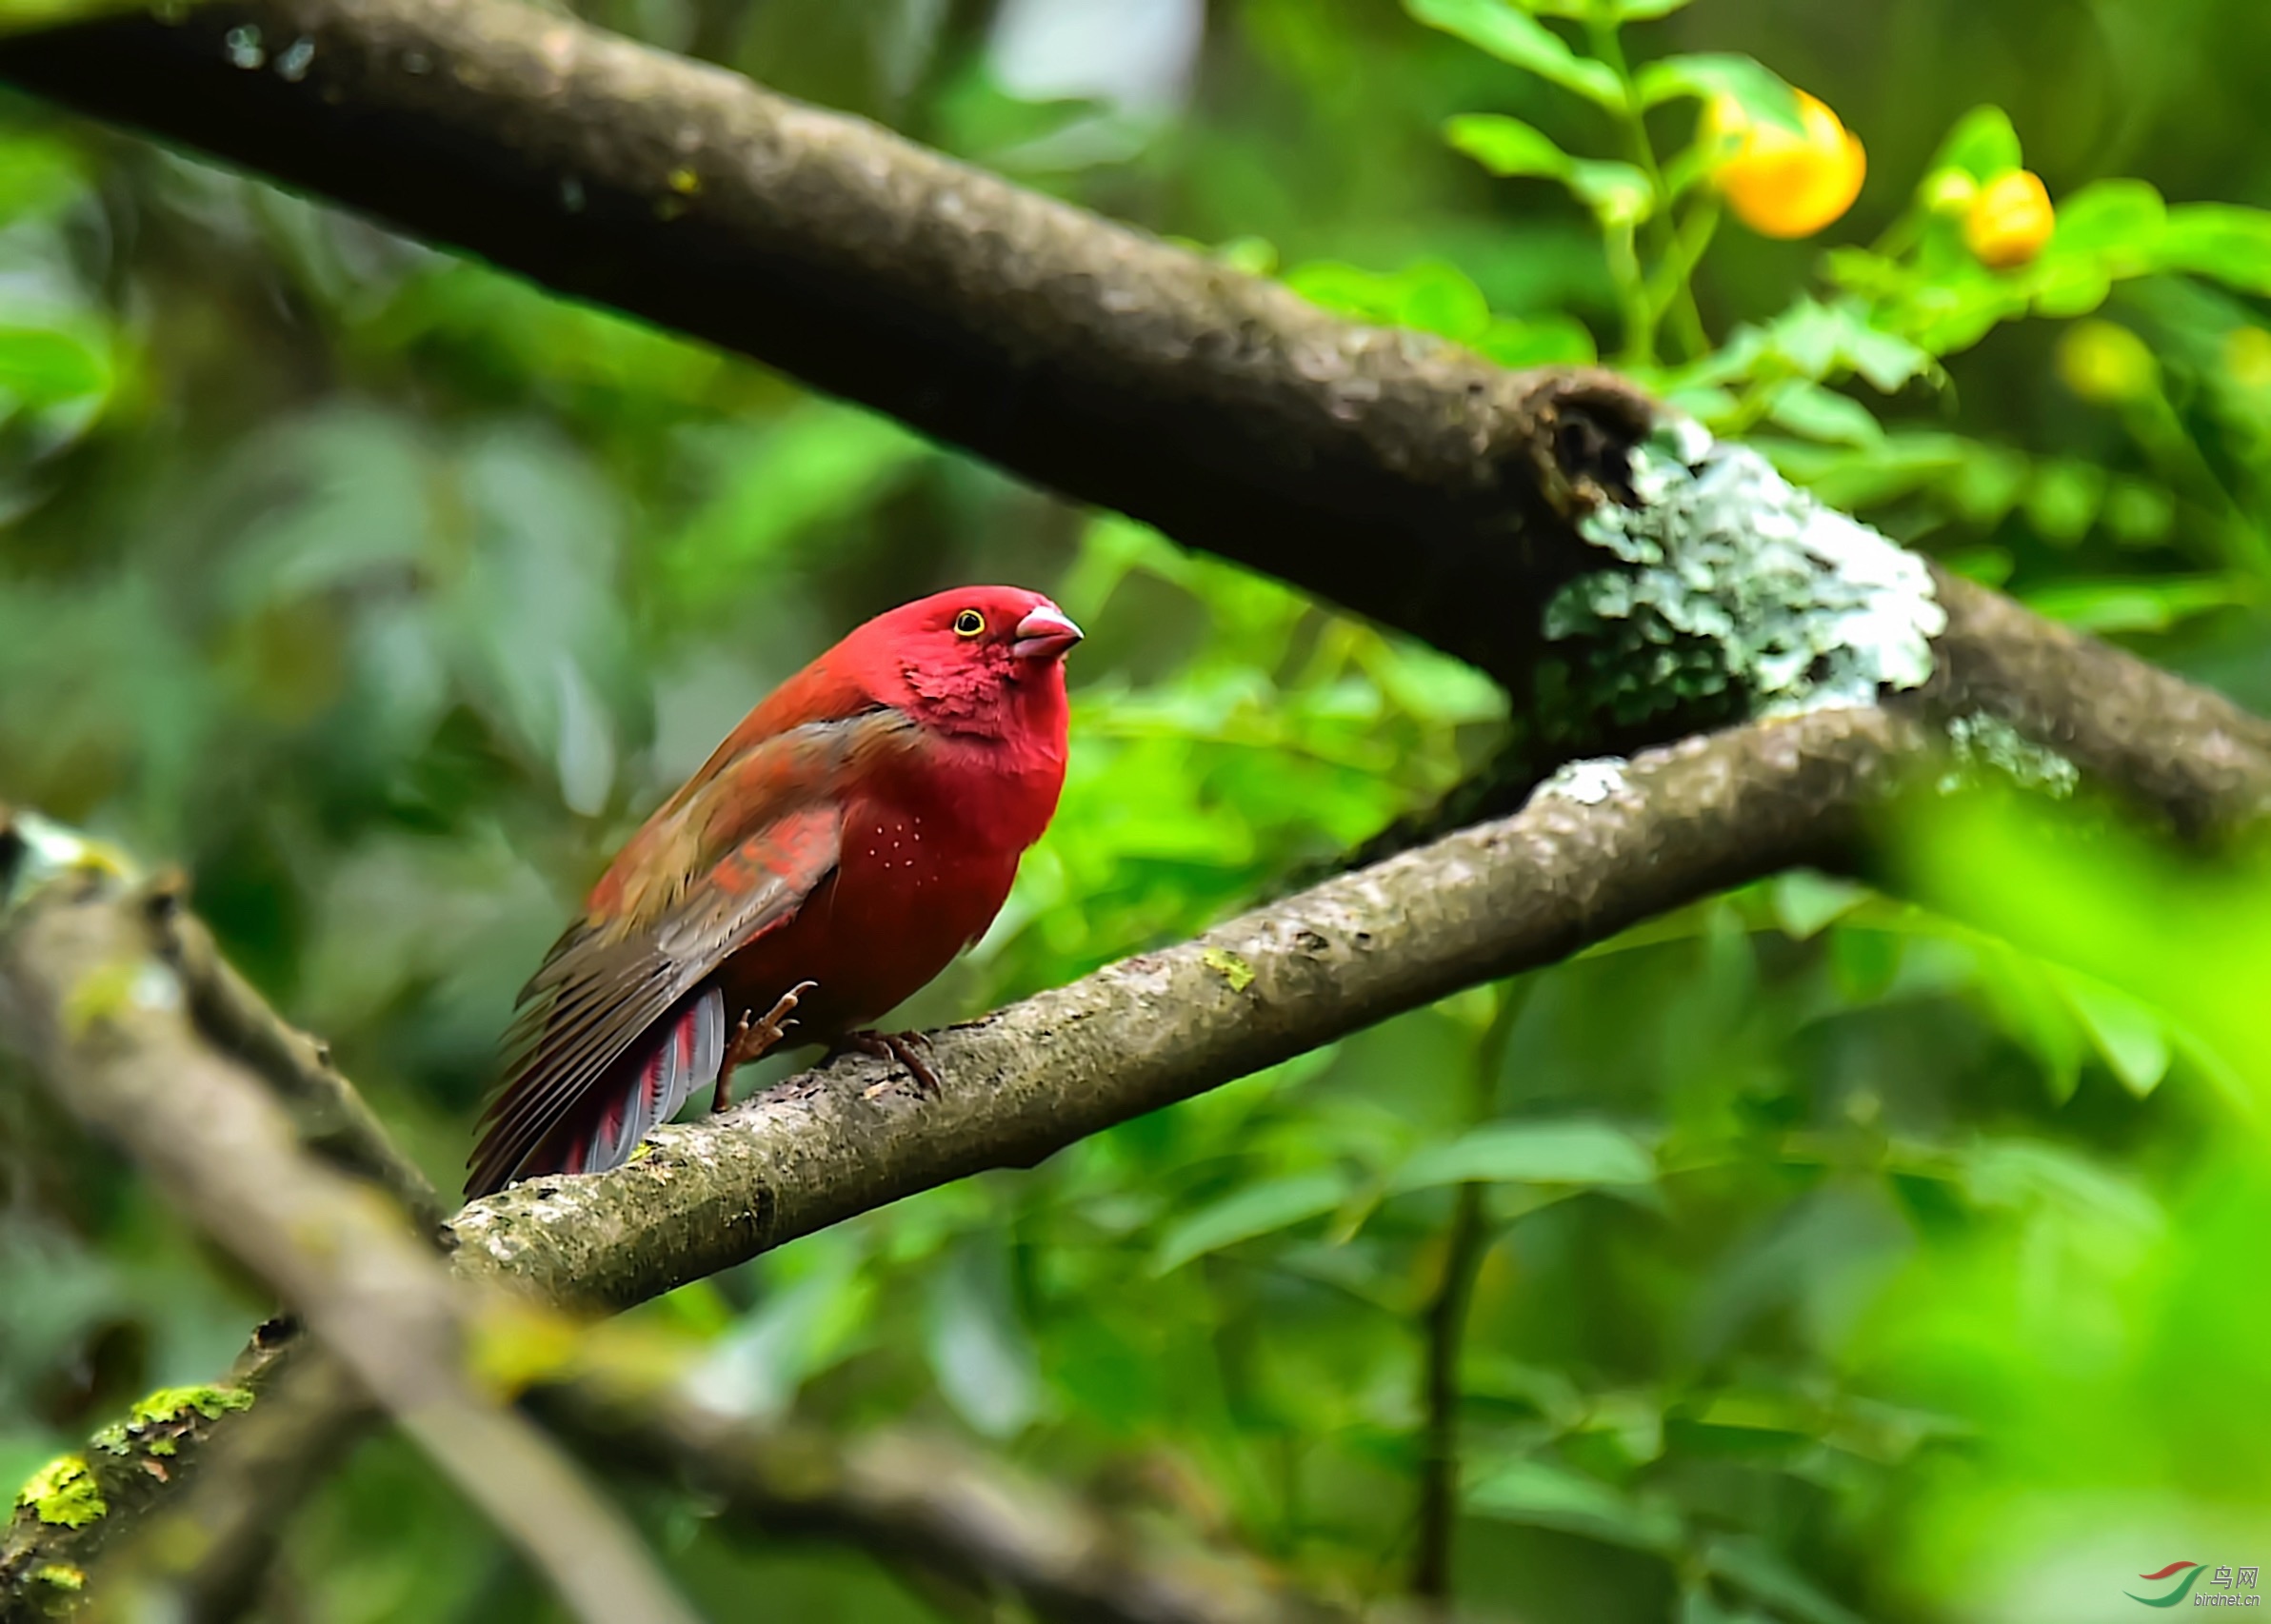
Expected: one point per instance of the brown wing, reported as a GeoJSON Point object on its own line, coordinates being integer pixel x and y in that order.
{"type": "Point", "coordinates": [709, 874]}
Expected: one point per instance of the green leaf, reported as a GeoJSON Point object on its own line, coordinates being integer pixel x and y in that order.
{"type": "Point", "coordinates": [1818, 342]}
{"type": "Point", "coordinates": [37, 176]}
{"type": "Point", "coordinates": [1761, 91]}
{"type": "Point", "coordinates": [1806, 900]}
{"type": "Point", "coordinates": [2116, 220]}
{"type": "Point", "coordinates": [2130, 1038]}
{"type": "Point", "coordinates": [1982, 144]}
{"type": "Point", "coordinates": [1540, 1494]}
{"type": "Point", "coordinates": [1618, 10]}
{"type": "Point", "coordinates": [978, 1346]}
{"type": "Point", "coordinates": [2153, 604]}
{"type": "Point", "coordinates": [1505, 146]}
{"type": "Point", "coordinates": [1545, 341]}
{"type": "Point", "coordinates": [1531, 1152]}
{"type": "Point", "coordinates": [1515, 36]}
{"type": "Point", "coordinates": [802, 1326]}
{"type": "Point", "coordinates": [2062, 499]}
{"type": "Point", "coordinates": [2016, 1174]}
{"type": "Point", "coordinates": [1615, 191]}
{"type": "Point", "coordinates": [2138, 514]}
{"type": "Point", "coordinates": [1757, 1568]}
{"type": "Point", "coordinates": [1618, 194]}
{"type": "Point", "coordinates": [2018, 988]}
{"type": "Point", "coordinates": [1259, 1209]}
{"type": "Point", "coordinates": [798, 475]}
{"type": "Point", "coordinates": [47, 365]}
{"type": "Point", "coordinates": [2223, 241]}
{"type": "Point", "coordinates": [1807, 409]}
{"type": "Point", "coordinates": [1430, 295]}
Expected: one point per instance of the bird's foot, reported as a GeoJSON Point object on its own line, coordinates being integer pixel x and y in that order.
{"type": "Point", "coordinates": [904, 1047]}
{"type": "Point", "coordinates": [757, 1036]}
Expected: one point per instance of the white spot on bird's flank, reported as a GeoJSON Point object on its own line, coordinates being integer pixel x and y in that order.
{"type": "Point", "coordinates": [243, 46]}
{"type": "Point", "coordinates": [292, 66]}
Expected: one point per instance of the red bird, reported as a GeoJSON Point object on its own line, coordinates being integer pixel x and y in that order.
{"type": "Point", "coordinates": [858, 829]}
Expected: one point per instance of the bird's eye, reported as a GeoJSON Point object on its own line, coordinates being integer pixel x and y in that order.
{"type": "Point", "coordinates": [969, 624]}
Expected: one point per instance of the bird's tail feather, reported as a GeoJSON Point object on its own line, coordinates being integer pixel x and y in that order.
{"type": "Point", "coordinates": [686, 1051]}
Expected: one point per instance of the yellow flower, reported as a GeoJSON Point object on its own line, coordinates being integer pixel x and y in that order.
{"type": "Point", "coordinates": [2010, 220]}
{"type": "Point", "coordinates": [1779, 181]}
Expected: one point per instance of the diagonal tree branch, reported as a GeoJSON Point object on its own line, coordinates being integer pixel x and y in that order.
{"type": "Point", "coordinates": [1392, 473]}
{"type": "Point", "coordinates": [926, 1505]}
{"type": "Point", "coordinates": [1027, 1080]}
{"type": "Point", "coordinates": [1575, 866]}
{"type": "Point", "coordinates": [94, 1006]}
{"type": "Point", "coordinates": [1085, 356]}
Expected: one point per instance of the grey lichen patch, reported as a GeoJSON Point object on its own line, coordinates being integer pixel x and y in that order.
{"type": "Point", "coordinates": [1587, 783]}
{"type": "Point", "coordinates": [1732, 585]}
{"type": "Point", "coordinates": [1987, 743]}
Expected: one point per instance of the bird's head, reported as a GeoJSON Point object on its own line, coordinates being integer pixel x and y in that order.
{"type": "Point", "coordinates": [985, 659]}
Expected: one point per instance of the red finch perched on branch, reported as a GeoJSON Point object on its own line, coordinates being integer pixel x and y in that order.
{"type": "Point", "coordinates": [858, 829]}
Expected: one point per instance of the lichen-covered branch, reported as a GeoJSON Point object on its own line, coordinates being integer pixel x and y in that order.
{"type": "Point", "coordinates": [1389, 472]}
{"type": "Point", "coordinates": [2182, 754]}
{"type": "Point", "coordinates": [91, 998]}
{"type": "Point", "coordinates": [926, 1505]}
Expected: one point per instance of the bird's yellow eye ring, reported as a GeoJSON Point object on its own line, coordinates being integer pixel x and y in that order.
{"type": "Point", "coordinates": [969, 624]}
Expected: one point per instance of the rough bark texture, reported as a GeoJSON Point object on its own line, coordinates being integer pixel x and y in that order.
{"type": "Point", "coordinates": [1391, 472]}
{"type": "Point", "coordinates": [1151, 1030]}
{"type": "Point", "coordinates": [1562, 874]}
{"type": "Point", "coordinates": [2177, 752]}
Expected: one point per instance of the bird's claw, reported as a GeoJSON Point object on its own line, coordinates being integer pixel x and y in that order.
{"type": "Point", "coordinates": [756, 1035]}
{"type": "Point", "coordinates": [901, 1048]}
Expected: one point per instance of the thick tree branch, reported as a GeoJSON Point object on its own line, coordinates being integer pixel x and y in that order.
{"type": "Point", "coordinates": [926, 1505]}
{"type": "Point", "coordinates": [2176, 751]}
{"type": "Point", "coordinates": [1575, 866]}
{"type": "Point", "coordinates": [1389, 472]}
{"type": "Point", "coordinates": [93, 1003]}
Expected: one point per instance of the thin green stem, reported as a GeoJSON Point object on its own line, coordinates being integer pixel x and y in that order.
{"type": "Point", "coordinates": [1466, 1244]}
{"type": "Point", "coordinates": [1674, 272]}
{"type": "Point", "coordinates": [1632, 294]}
{"type": "Point", "coordinates": [1687, 321]}
{"type": "Point", "coordinates": [2156, 425]}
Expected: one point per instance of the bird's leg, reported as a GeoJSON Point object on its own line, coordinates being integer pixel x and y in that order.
{"type": "Point", "coordinates": [900, 1047]}
{"type": "Point", "coordinates": [754, 1037]}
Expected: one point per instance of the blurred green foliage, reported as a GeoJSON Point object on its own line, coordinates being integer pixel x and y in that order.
{"type": "Point", "coordinates": [1838, 1258]}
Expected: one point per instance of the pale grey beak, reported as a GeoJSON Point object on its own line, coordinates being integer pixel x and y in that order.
{"type": "Point", "coordinates": [1045, 634]}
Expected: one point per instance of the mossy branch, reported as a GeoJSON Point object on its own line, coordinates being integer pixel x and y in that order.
{"type": "Point", "coordinates": [1584, 860]}
{"type": "Point", "coordinates": [1389, 472]}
